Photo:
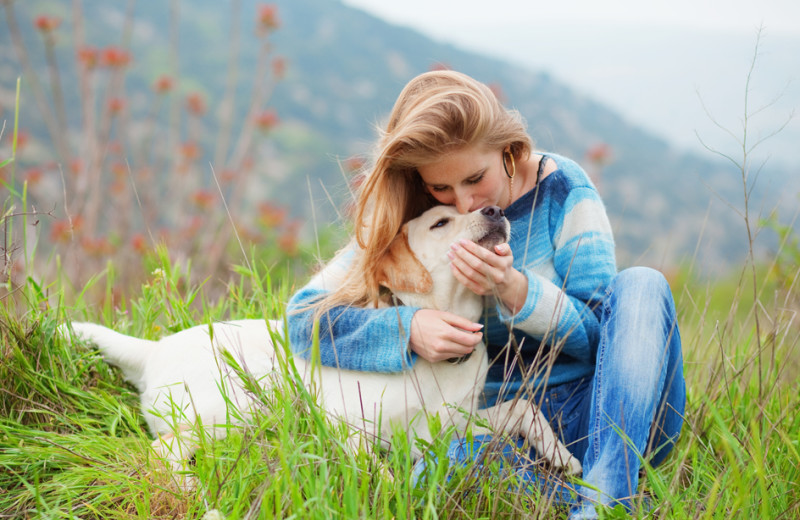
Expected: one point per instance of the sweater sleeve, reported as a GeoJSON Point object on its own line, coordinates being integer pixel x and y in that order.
{"type": "Point", "coordinates": [563, 310]}
{"type": "Point", "coordinates": [351, 338]}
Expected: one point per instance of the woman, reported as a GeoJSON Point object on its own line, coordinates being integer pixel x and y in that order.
{"type": "Point", "coordinates": [601, 350]}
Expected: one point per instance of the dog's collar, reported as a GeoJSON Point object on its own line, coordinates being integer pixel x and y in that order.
{"type": "Point", "coordinates": [459, 360]}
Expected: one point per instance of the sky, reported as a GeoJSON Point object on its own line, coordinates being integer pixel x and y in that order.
{"type": "Point", "coordinates": [677, 68]}
{"type": "Point", "coordinates": [441, 16]}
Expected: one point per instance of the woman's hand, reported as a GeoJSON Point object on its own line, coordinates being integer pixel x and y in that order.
{"type": "Point", "coordinates": [489, 272]}
{"type": "Point", "coordinates": [439, 335]}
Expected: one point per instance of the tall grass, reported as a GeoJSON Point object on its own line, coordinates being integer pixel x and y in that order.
{"type": "Point", "coordinates": [73, 443]}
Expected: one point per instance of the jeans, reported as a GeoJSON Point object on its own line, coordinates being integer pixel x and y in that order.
{"type": "Point", "coordinates": [632, 408]}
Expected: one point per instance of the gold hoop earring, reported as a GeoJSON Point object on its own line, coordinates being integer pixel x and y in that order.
{"type": "Point", "coordinates": [513, 166]}
{"type": "Point", "coordinates": [510, 176]}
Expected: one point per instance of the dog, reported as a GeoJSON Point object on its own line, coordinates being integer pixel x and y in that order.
{"type": "Point", "coordinates": [185, 378]}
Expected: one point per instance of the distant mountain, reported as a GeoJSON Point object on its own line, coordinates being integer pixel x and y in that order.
{"type": "Point", "coordinates": [345, 68]}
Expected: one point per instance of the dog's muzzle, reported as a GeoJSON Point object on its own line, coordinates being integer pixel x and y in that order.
{"type": "Point", "coordinates": [496, 227]}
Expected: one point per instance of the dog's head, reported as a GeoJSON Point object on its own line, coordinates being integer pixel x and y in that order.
{"type": "Point", "coordinates": [416, 267]}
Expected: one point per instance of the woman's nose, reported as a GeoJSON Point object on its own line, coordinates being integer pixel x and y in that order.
{"type": "Point", "coordinates": [463, 203]}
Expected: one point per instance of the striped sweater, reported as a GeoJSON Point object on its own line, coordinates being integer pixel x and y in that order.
{"type": "Point", "coordinates": [566, 250]}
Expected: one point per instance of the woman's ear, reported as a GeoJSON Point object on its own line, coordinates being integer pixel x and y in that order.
{"type": "Point", "coordinates": [400, 270]}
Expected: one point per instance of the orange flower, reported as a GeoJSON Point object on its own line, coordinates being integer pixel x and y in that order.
{"type": "Point", "coordinates": [46, 23]}
{"type": "Point", "coordinates": [119, 169]}
{"type": "Point", "coordinates": [114, 57]}
{"type": "Point", "coordinates": [34, 176]}
{"type": "Point", "coordinates": [139, 243]}
{"type": "Point", "coordinates": [116, 105]}
{"type": "Point", "coordinates": [23, 138]}
{"type": "Point", "coordinates": [88, 57]}
{"type": "Point", "coordinates": [266, 120]}
{"type": "Point", "coordinates": [76, 166]}
{"type": "Point", "coordinates": [196, 104]}
{"type": "Point", "coordinates": [190, 151]}
{"type": "Point", "coordinates": [63, 230]}
{"type": "Point", "coordinates": [271, 215]}
{"type": "Point", "coordinates": [203, 199]}
{"type": "Point", "coordinates": [247, 163]}
{"type": "Point", "coordinates": [117, 187]}
{"type": "Point", "coordinates": [599, 154]}
{"type": "Point", "coordinates": [267, 18]}
{"type": "Point", "coordinates": [163, 84]}
{"type": "Point", "coordinates": [279, 67]}
{"type": "Point", "coordinates": [288, 243]}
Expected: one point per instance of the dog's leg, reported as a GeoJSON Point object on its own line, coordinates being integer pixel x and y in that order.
{"type": "Point", "coordinates": [175, 450]}
{"type": "Point", "coordinates": [522, 417]}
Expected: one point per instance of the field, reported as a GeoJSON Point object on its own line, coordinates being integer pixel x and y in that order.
{"type": "Point", "coordinates": [74, 444]}
{"type": "Point", "coordinates": [72, 440]}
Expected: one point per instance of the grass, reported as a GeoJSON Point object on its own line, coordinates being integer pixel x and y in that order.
{"type": "Point", "coordinates": [73, 443]}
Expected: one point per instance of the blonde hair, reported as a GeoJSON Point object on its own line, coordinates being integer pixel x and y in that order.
{"type": "Point", "coordinates": [436, 113]}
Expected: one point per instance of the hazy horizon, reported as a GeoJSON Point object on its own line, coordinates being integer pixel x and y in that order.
{"type": "Point", "coordinates": [660, 72]}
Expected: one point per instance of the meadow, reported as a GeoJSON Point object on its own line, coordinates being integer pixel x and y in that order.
{"type": "Point", "coordinates": [72, 440]}
{"type": "Point", "coordinates": [74, 443]}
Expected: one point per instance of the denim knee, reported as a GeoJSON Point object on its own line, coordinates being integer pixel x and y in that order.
{"type": "Point", "coordinates": [641, 277]}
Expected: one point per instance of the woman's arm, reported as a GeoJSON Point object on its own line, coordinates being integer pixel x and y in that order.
{"type": "Point", "coordinates": [349, 337]}
{"type": "Point", "coordinates": [563, 307]}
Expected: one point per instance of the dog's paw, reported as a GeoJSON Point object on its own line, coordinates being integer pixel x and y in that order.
{"type": "Point", "coordinates": [566, 462]}
{"type": "Point", "coordinates": [573, 467]}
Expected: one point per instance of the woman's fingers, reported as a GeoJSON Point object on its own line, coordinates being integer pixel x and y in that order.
{"type": "Point", "coordinates": [460, 322]}
{"type": "Point", "coordinates": [438, 335]}
{"type": "Point", "coordinates": [478, 268]}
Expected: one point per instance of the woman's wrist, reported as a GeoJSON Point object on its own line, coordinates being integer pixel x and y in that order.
{"type": "Point", "coordinates": [513, 293]}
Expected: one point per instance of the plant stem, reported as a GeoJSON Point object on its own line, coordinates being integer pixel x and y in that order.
{"type": "Point", "coordinates": [32, 79]}
{"type": "Point", "coordinates": [55, 85]}
{"type": "Point", "coordinates": [228, 104]}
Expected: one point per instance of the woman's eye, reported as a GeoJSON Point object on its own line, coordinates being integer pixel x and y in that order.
{"type": "Point", "coordinates": [438, 189]}
{"type": "Point", "coordinates": [476, 179]}
{"type": "Point", "coordinates": [440, 223]}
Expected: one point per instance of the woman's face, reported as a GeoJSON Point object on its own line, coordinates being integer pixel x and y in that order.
{"type": "Point", "coordinates": [468, 178]}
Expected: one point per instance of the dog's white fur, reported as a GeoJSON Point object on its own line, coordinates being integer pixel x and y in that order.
{"type": "Point", "coordinates": [185, 372]}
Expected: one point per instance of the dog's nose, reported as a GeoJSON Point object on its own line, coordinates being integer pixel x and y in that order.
{"type": "Point", "coordinates": [492, 213]}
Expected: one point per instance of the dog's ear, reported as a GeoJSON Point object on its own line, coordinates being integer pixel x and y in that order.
{"type": "Point", "coordinates": [400, 270]}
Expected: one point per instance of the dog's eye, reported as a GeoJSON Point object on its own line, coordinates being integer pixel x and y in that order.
{"type": "Point", "coordinates": [441, 222]}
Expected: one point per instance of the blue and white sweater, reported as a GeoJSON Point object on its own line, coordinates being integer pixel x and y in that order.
{"type": "Point", "coordinates": [566, 250]}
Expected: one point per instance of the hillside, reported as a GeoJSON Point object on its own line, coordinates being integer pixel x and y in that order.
{"type": "Point", "coordinates": [345, 69]}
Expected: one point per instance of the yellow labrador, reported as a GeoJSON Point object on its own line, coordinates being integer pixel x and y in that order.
{"type": "Point", "coordinates": [183, 377]}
